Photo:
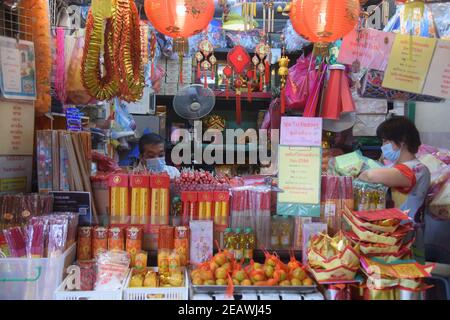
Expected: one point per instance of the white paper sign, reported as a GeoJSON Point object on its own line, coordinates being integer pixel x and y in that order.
{"type": "Point", "coordinates": [438, 80]}
{"type": "Point", "coordinates": [10, 64]}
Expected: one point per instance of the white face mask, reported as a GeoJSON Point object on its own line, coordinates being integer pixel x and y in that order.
{"type": "Point", "coordinates": [156, 164]}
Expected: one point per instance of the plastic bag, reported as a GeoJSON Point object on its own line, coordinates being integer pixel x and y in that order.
{"type": "Point", "coordinates": [300, 83]}
{"type": "Point", "coordinates": [112, 269]}
{"type": "Point", "coordinates": [293, 41]}
{"type": "Point", "coordinates": [156, 77]}
{"type": "Point", "coordinates": [441, 15]}
{"type": "Point", "coordinates": [76, 93]}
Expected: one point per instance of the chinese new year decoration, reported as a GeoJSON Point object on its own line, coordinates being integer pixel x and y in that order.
{"type": "Point", "coordinates": [121, 75]}
{"type": "Point", "coordinates": [261, 64]}
{"type": "Point", "coordinates": [324, 21]}
{"type": "Point", "coordinates": [205, 60]}
{"type": "Point", "coordinates": [238, 61]}
{"type": "Point", "coordinates": [179, 19]}
{"type": "Point", "coordinates": [283, 72]}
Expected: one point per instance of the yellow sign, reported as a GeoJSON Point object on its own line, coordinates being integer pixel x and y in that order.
{"type": "Point", "coordinates": [13, 184]}
{"type": "Point", "coordinates": [409, 63]}
{"type": "Point", "coordinates": [299, 174]}
{"type": "Point", "coordinates": [16, 128]}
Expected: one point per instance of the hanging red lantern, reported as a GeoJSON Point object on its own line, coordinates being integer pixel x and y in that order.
{"type": "Point", "coordinates": [324, 20]}
{"type": "Point", "coordinates": [179, 19]}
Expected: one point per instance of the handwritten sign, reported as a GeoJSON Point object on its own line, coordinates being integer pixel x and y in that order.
{"type": "Point", "coordinates": [16, 128]}
{"type": "Point", "coordinates": [299, 174]}
{"type": "Point", "coordinates": [299, 131]}
{"type": "Point", "coordinates": [438, 80]}
{"type": "Point", "coordinates": [409, 63]}
{"type": "Point", "coordinates": [370, 48]}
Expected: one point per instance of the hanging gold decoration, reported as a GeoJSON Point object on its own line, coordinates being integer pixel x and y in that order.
{"type": "Point", "coordinates": [121, 74]}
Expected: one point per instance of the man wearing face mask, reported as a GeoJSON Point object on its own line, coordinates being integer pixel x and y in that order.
{"type": "Point", "coordinates": [407, 177]}
{"type": "Point", "coordinates": [152, 155]}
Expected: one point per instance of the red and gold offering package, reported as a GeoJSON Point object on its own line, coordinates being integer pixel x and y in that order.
{"type": "Point", "coordinates": [189, 202]}
{"type": "Point", "coordinates": [141, 260]}
{"type": "Point", "coordinates": [205, 202]}
{"type": "Point", "coordinates": [165, 247]}
{"type": "Point", "coordinates": [133, 242]}
{"type": "Point", "coordinates": [116, 239]}
{"type": "Point", "coordinates": [99, 240]}
{"type": "Point", "coordinates": [119, 198]}
{"type": "Point", "coordinates": [181, 244]}
{"type": "Point", "coordinates": [221, 208]}
{"type": "Point", "coordinates": [160, 201]}
{"type": "Point", "coordinates": [140, 198]}
{"type": "Point", "coordinates": [84, 248]}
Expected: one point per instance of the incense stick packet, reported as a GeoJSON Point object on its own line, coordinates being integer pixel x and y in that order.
{"type": "Point", "coordinates": [57, 237]}
{"type": "Point", "coordinates": [16, 242]}
{"type": "Point", "coordinates": [35, 240]}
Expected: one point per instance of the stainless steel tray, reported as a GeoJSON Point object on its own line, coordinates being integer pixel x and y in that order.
{"type": "Point", "coordinates": [254, 289]}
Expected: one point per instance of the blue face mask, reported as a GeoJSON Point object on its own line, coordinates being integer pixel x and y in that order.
{"type": "Point", "coordinates": [389, 153]}
{"type": "Point", "coordinates": [156, 164]}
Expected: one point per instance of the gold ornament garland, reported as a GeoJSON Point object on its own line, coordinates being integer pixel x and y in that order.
{"type": "Point", "coordinates": [106, 87]}
{"type": "Point", "coordinates": [123, 73]}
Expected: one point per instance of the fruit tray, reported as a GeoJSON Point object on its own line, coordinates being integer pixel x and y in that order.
{"type": "Point", "coordinates": [212, 289]}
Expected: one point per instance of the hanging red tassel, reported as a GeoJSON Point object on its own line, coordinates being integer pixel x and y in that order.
{"type": "Point", "coordinates": [249, 90]}
{"type": "Point", "coordinates": [199, 73]}
{"type": "Point", "coordinates": [226, 88]}
{"type": "Point", "coordinates": [238, 108]}
{"type": "Point", "coordinates": [254, 74]}
{"type": "Point", "coordinates": [261, 82]}
{"type": "Point", "coordinates": [283, 100]}
{"type": "Point", "coordinates": [267, 71]}
{"type": "Point", "coordinates": [206, 80]}
{"type": "Point", "coordinates": [212, 72]}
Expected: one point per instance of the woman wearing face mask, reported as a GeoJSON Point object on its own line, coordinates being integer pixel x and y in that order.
{"type": "Point", "coordinates": [407, 177]}
{"type": "Point", "coordinates": [152, 155]}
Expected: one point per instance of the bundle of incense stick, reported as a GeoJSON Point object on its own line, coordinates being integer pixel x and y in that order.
{"type": "Point", "coordinates": [64, 162]}
{"type": "Point", "coordinates": [250, 207]}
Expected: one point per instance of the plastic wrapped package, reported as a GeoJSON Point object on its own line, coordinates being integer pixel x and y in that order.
{"type": "Point", "coordinates": [300, 83]}
{"type": "Point", "coordinates": [112, 269]}
{"type": "Point", "coordinates": [412, 20]}
{"type": "Point", "coordinates": [84, 247]}
{"type": "Point", "coordinates": [441, 15]}
{"type": "Point", "coordinates": [369, 196]}
{"type": "Point", "coordinates": [35, 240]}
{"type": "Point", "coordinates": [251, 207]}
{"type": "Point", "coordinates": [76, 93]}
{"type": "Point", "coordinates": [248, 39]}
{"type": "Point", "coordinates": [366, 124]}
{"type": "Point", "coordinates": [16, 240]}
{"type": "Point", "coordinates": [87, 275]}
{"type": "Point", "coordinates": [293, 41]}
{"type": "Point", "coordinates": [440, 206]}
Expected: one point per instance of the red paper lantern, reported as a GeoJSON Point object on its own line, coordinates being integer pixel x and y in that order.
{"type": "Point", "coordinates": [324, 20]}
{"type": "Point", "coordinates": [179, 18]}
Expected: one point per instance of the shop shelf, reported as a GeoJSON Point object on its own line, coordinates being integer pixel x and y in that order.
{"type": "Point", "coordinates": [159, 293]}
{"type": "Point", "coordinates": [62, 293]}
{"type": "Point", "coordinates": [33, 279]}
